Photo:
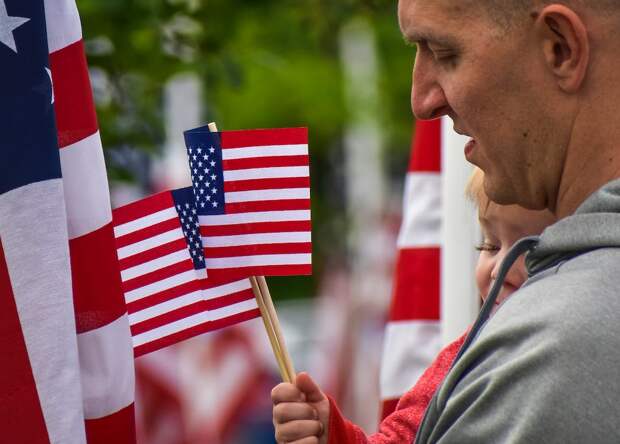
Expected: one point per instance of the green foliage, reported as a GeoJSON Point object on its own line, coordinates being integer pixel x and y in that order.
{"type": "Point", "coordinates": [267, 63]}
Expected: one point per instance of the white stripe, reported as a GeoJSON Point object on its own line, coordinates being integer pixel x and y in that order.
{"type": "Point", "coordinates": [260, 195]}
{"type": "Point", "coordinates": [265, 151]}
{"type": "Point", "coordinates": [146, 221]}
{"type": "Point", "coordinates": [159, 286]}
{"type": "Point", "coordinates": [409, 347]}
{"type": "Point", "coordinates": [86, 186]}
{"type": "Point", "coordinates": [266, 173]}
{"type": "Point", "coordinates": [155, 264]}
{"type": "Point", "coordinates": [421, 226]}
{"type": "Point", "coordinates": [259, 260]}
{"type": "Point", "coordinates": [39, 268]}
{"type": "Point", "coordinates": [106, 363]}
{"type": "Point", "coordinates": [192, 321]}
{"type": "Point", "coordinates": [257, 238]}
{"type": "Point", "coordinates": [259, 216]}
{"type": "Point", "coordinates": [165, 307]}
{"type": "Point", "coordinates": [223, 290]}
{"type": "Point", "coordinates": [151, 242]}
{"type": "Point", "coordinates": [63, 24]}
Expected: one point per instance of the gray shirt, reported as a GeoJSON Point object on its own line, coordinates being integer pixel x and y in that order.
{"type": "Point", "coordinates": [546, 367]}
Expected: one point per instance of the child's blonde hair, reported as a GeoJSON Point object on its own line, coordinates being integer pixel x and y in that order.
{"type": "Point", "coordinates": [474, 190]}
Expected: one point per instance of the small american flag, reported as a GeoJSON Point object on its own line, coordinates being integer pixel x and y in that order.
{"type": "Point", "coordinates": [168, 295]}
{"type": "Point", "coordinates": [252, 193]}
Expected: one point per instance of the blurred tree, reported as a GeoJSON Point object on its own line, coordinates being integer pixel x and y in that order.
{"type": "Point", "coordinates": [264, 63]}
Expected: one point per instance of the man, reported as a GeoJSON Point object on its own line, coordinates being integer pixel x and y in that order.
{"type": "Point", "coordinates": [535, 85]}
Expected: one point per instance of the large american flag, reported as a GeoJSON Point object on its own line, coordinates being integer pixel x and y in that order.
{"type": "Point", "coordinates": [168, 295]}
{"type": "Point", "coordinates": [253, 199]}
{"type": "Point", "coordinates": [412, 336]}
{"type": "Point", "coordinates": [58, 267]}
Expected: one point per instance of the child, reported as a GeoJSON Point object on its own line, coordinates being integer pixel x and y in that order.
{"type": "Point", "coordinates": [304, 415]}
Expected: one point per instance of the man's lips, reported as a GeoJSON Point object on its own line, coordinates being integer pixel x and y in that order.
{"type": "Point", "coordinates": [469, 148]}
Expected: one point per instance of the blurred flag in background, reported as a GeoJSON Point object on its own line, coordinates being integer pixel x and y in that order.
{"type": "Point", "coordinates": [412, 336]}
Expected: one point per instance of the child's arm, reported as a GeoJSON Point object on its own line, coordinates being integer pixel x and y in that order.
{"type": "Point", "coordinates": [302, 413]}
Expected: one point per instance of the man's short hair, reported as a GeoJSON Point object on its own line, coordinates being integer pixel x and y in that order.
{"type": "Point", "coordinates": [506, 13]}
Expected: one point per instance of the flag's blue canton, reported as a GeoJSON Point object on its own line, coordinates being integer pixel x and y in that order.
{"type": "Point", "coordinates": [28, 144]}
{"type": "Point", "coordinates": [188, 217]}
{"type": "Point", "coordinates": [205, 164]}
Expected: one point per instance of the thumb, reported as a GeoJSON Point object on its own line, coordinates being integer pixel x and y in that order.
{"type": "Point", "coordinates": [306, 384]}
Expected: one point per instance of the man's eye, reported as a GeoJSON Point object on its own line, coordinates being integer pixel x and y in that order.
{"type": "Point", "coordinates": [486, 246]}
{"type": "Point", "coordinates": [445, 57]}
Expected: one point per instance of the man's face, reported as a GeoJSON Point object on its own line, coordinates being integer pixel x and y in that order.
{"type": "Point", "coordinates": [491, 82]}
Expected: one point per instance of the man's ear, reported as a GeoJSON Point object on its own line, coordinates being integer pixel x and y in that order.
{"type": "Point", "coordinates": [565, 45]}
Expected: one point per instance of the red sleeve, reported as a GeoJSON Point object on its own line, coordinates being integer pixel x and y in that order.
{"type": "Point", "coordinates": [401, 426]}
{"type": "Point", "coordinates": [341, 430]}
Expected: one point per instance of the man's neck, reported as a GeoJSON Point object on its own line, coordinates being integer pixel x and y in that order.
{"type": "Point", "coordinates": [592, 160]}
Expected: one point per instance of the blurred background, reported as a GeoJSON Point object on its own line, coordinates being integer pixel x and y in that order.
{"type": "Point", "coordinates": [159, 67]}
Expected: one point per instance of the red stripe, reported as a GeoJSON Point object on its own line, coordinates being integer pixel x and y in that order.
{"type": "Point", "coordinates": [259, 227]}
{"type": "Point", "coordinates": [144, 207]}
{"type": "Point", "coordinates": [266, 184]}
{"type": "Point", "coordinates": [416, 285]}
{"type": "Point", "coordinates": [21, 417]}
{"type": "Point", "coordinates": [230, 299]}
{"type": "Point", "coordinates": [73, 98]}
{"type": "Point", "coordinates": [268, 205]}
{"type": "Point", "coordinates": [163, 296]}
{"type": "Point", "coordinates": [148, 232]}
{"type": "Point", "coordinates": [190, 310]}
{"type": "Point", "coordinates": [97, 294]}
{"type": "Point", "coordinates": [168, 317]}
{"type": "Point", "coordinates": [261, 137]}
{"type": "Point", "coordinates": [158, 275]}
{"type": "Point", "coordinates": [195, 331]}
{"type": "Point", "coordinates": [426, 152]}
{"type": "Point", "coordinates": [388, 406]}
{"type": "Point", "coordinates": [153, 253]}
{"type": "Point", "coordinates": [265, 162]}
{"type": "Point", "coordinates": [251, 250]}
{"type": "Point", "coordinates": [265, 270]}
{"type": "Point", "coordinates": [117, 428]}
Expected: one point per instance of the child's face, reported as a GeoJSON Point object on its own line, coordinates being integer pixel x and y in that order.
{"type": "Point", "coordinates": [502, 226]}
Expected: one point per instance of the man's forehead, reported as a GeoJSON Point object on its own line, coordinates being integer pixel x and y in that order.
{"type": "Point", "coordinates": [433, 20]}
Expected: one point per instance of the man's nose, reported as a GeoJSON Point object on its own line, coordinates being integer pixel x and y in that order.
{"type": "Point", "coordinates": [428, 100]}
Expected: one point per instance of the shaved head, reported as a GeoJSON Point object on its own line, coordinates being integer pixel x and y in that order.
{"type": "Point", "coordinates": [507, 13]}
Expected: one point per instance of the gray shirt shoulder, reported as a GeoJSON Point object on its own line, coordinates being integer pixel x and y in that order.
{"type": "Point", "coordinates": [546, 367]}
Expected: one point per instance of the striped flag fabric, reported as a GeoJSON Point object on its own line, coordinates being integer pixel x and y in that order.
{"type": "Point", "coordinates": [252, 193]}
{"type": "Point", "coordinates": [106, 361]}
{"type": "Point", "coordinates": [57, 386]}
{"type": "Point", "coordinates": [412, 336]}
{"type": "Point", "coordinates": [168, 295]}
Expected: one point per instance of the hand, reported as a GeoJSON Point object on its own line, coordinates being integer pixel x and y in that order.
{"type": "Point", "coordinates": [300, 412]}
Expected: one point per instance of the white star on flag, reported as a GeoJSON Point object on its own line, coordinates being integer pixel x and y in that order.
{"type": "Point", "coordinates": [8, 25]}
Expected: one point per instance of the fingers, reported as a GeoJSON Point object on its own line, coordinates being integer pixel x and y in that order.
{"type": "Point", "coordinates": [306, 385]}
{"type": "Point", "coordinates": [290, 411]}
{"type": "Point", "coordinates": [286, 392]}
{"type": "Point", "coordinates": [300, 412]}
{"type": "Point", "coordinates": [297, 431]}
{"type": "Point", "coordinates": [308, 440]}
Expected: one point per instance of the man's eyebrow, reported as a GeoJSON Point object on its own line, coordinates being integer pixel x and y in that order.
{"type": "Point", "coordinates": [414, 37]}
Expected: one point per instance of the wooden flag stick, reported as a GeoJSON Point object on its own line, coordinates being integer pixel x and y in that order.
{"type": "Point", "coordinates": [288, 362]}
{"type": "Point", "coordinates": [267, 321]}
{"type": "Point", "coordinates": [270, 319]}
